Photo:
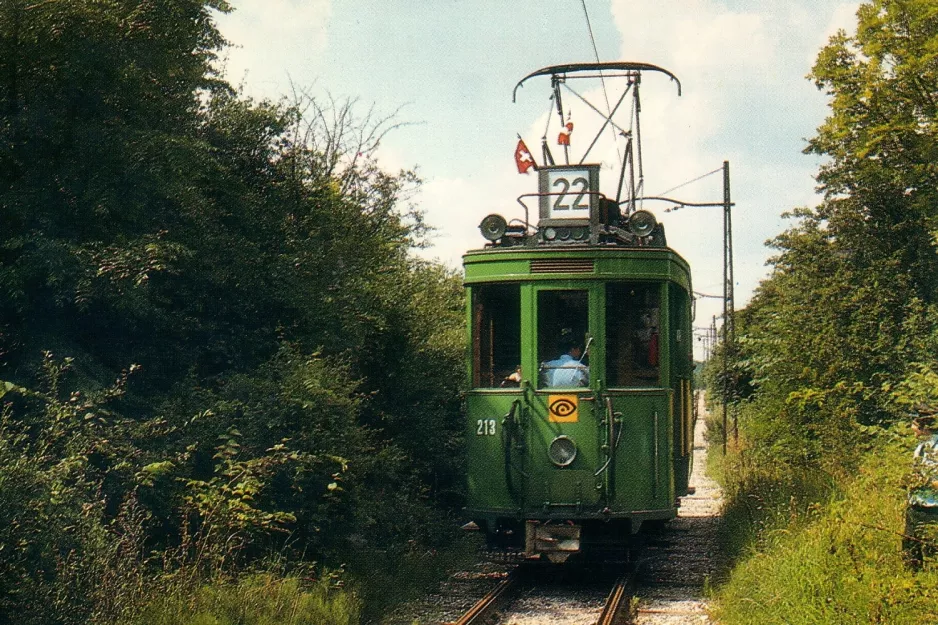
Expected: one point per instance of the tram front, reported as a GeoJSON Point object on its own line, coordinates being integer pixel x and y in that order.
{"type": "Point", "coordinates": [577, 381]}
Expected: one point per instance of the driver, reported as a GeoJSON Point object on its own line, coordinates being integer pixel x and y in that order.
{"type": "Point", "coordinates": [567, 370]}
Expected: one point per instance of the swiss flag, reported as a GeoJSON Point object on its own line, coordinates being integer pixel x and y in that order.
{"type": "Point", "coordinates": [523, 158]}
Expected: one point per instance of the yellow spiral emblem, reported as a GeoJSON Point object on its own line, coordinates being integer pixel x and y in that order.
{"type": "Point", "coordinates": [563, 408]}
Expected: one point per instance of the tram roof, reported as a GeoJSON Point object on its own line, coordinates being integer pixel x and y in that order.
{"type": "Point", "coordinates": [605, 263]}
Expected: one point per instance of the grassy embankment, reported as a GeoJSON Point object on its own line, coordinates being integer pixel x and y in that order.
{"type": "Point", "coordinates": [275, 597]}
{"type": "Point", "coordinates": [818, 547]}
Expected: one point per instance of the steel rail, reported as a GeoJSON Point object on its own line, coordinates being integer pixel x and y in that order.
{"type": "Point", "coordinates": [485, 609]}
{"type": "Point", "coordinates": [616, 610]}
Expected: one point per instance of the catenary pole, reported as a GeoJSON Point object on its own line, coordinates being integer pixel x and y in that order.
{"type": "Point", "coordinates": [729, 330]}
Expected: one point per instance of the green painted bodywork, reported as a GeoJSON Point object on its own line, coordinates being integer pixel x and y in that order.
{"type": "Point", "coordinates": [617, 263]}
{"type": "Point", "coordinates": [509, 473]}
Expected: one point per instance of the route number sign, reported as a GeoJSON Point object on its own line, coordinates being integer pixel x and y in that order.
{"type": "Point", "coordinates": [569, 197]}
{"type": "Point", "coordinates": [568, 192]}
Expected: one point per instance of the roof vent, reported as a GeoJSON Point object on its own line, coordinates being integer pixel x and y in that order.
{"type": "Point", "coordinates": [562, 265]}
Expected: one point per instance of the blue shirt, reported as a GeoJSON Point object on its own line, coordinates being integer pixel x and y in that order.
{"type": "Point", "coordinates": [565, 371]}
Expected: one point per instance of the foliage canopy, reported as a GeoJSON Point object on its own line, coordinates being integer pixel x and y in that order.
{"type": "Point", "coordinates": [839, 347]}
{"type": "Point", "coordinates": [213, 338]}
{"type": "Point", "coordinates": [848, 311]}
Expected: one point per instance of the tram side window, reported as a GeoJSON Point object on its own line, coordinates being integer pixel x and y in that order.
{"type": "Point", "coordinates": [632, 339]}
{"type": "Point", "coordinates": [562, 324]}
{"type": "Point", "coordinates": [496, 335]}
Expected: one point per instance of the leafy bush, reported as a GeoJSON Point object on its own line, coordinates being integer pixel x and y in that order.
{"type": "Point", "coordinates": [287, 374]}
{"type": "Point", "coordinates": [839, 345]}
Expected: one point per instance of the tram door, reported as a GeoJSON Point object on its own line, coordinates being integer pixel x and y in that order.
{"type": "Point", "coordinates": [635, 345]}
{"type": "Point", "coordinates": [563, 448]}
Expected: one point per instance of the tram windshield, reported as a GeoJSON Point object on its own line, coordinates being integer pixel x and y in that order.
{"type": "Point", "coordinates": [496, 335]}
{"type": "Point", "coordinates": [632, 340]}
{"type": "Point", "coordinates": [562, 324]}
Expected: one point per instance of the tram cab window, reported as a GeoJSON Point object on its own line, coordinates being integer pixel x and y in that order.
{"type": "Point", "coordinates": [562, 324]}
{"type": "Point", "coordinates": [496, 335]}
{"type": "Point", "coordinates": [632, 339]}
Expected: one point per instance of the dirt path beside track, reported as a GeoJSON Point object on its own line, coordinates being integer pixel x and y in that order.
{"type": "Point", "coordinates": [679, 567]}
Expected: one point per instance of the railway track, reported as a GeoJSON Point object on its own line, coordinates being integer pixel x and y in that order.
{"type": "Point", "coordinates": [483, 612]}
{"type": "Point", "coordinates": [491, 609]}
{"type": "Point", "coordinates": [617, 610]}
{"type": "Point", "coordinates": [671, 569]}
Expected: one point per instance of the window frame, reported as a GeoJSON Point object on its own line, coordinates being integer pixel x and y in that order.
{"type": "Point", "coordinates": [612, 348]}
{"type": "Point", "coordinates": [590, 293]}
{"type": "Point", "coordinates": [477, 337]}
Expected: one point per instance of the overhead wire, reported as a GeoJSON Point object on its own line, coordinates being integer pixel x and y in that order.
{"type": "Point", "coordinates": [589, 28]}
{"type": "Point", "coordinates": [684, 184]}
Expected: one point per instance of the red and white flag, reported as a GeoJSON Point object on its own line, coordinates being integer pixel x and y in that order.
{"type": "Point", "coordinates": [564, 137]}
{"type": "Point", "coordinates": [523, 158]}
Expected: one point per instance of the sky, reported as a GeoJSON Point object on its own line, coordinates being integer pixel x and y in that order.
{"type": "Point", "coordinates": [448, 69]}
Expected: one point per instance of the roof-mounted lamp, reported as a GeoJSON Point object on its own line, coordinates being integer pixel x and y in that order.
{"type": "Point", "coordinates": [493, 227]}
{"type": "Point", "coordinates": [642, 223]}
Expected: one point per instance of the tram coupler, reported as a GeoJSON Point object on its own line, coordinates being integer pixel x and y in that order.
{"type": "Point", "coordinates": [556, 541]}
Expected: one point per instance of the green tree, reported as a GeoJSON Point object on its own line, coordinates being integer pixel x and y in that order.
{"type": "Point", "coordinates": [847, 309]}
{"type": "Point", "coordinates": [296, 371]}
{"type": "Point", "coordinates": [840, 341]}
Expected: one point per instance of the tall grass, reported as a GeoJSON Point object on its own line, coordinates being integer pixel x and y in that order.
{"type": "Point", "coordinates": [258, 599]}
{"type": "Point", "coordinates": [815, 551]}
{"type": "Point", "coordinates": [387, 581]}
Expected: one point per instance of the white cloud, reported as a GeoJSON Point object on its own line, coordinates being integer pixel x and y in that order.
{"type": "Point", "coordinates": [746, 101]}
{"type": "Point", "coordinates": [273, 40]}
{"type": "Point", "coordinates": [693, 34]}
{"type": "Point", "coordinates": [456, 206]}
{"type": "Point", "coordinates": [843, 18]}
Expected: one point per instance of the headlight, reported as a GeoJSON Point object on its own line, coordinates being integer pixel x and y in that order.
{"type": "Point", "coordinates": [493, 227]}
{"type": "Point", "coordinates": [562, 451]}
{"type": "Point", "coordinates": [642, 223]}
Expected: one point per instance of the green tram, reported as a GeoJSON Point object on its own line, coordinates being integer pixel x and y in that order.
{"type": "Point", "coordinates": [579, 415]}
